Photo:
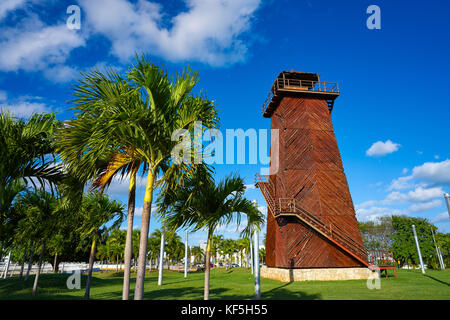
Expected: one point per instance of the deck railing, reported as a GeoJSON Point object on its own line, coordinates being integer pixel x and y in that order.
{"type": "Point", "coordinates": [300, 85]}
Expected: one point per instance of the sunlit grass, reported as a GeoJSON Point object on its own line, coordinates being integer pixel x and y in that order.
{"type": "Point", "coordinates": [235, 283]}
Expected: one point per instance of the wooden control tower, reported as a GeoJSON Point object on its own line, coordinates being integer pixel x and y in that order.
{"type": "Point", "coordinates": [311, 220]}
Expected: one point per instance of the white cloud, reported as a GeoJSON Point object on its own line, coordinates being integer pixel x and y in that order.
{"type": "Point", "coordinates": [366, 204]}
{"type": "Point", "coordinates": [372, 213]}
{"type": "Point", "coordinates": [249, 187]}
{"type": "Point", "coordinates": [24, 107]}
{"type": "Point", "coordinates": [119, 187]}
{"type": "Point", "coordinates": [436, 172]}
{"type": "Point", "coordinates": [401, 183]}
{"type": "Point", "coordinates": [441, 217]}
{"type": "Point", "coordinates": [32, 45]}
{"type": "Point", "coordinates": [208, 31]}
{"type": "Point", "coordinates": [420, 199]}
{"type": "Point", "coordinates": [424, 206]}
{"type": "Point", "coordinates": [405, 170]}
{"type": "Point", "coordinates": [6, 6]}
{"type": "Point", "coordinates": [419, 194]}
{"type": "Point", "coordinates": [60, 73]}
{"type": "Point", "coordinates": [380, 148]}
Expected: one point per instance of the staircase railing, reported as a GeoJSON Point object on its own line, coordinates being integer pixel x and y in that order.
{"type": "Point", "coordinates": [289, 206]}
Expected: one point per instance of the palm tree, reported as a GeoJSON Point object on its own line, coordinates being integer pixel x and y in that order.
{"type": "Point", "coordinates": [228, 249]}
{"type": "Point", "coordinates": [201, 204]}
{"type": "Point", "coordinates": [136, 239]}
{"type": "Point", "coordinates": [243, 244]}
{"type": "Point", "coordinates": [96, 210]}
{"type": "Point", "coordinates": [139, 117]}
{"type": "Point", "coordinates": [92, 150]}
{"type": "Point", "coordinates": [198, 254]}
{"type": "Point", "coordinates": [40, 221]}
{"type": "Point", "coordinates": [153, 247]}
{"type": "Point", "coordinates": [262, 255]}
{"type": "Point", "coordinates": [216, 243]}
{"type": "Point", "coordinates": [175, 247]}
{"type": "Point", "coordinates": [164, 108]}
{"type": "Point", "coordinates": [26, 148]}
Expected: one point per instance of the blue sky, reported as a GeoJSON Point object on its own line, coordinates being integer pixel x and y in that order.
{"type": "Point", "coordinates": [391, 119]}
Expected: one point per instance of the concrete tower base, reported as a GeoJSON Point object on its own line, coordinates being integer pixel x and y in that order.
{"type": "Point", "coordinates": [318, 274]}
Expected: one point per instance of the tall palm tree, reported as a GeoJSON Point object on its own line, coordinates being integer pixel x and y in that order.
{"type": "Point", "coordinates": [96, 210]}
{"type": "Point", "coordinates": [201, 204]}
{"type": "Point", "coordinates": [138, 117]}
{"type": "Point", "coordinates": [165, 107]}
{"type": "Point", "coordinates": [94, 151]}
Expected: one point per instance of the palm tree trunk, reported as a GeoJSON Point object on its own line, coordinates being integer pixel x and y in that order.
{"type": "Point", "coordinates": [30, 263]}
{"type": "Point", "coordinates": [55, 261]}
{"type": "Point", "coordinates": [23, 263]}
{"type": "Point", "coordinates": [87, 292]}
{"type": "Point", "coordinates": [145, 223]}
{"type": "Point", "coordinates": [129, 241]}
{"type": "Point", "coordinates": [38, 272]}
{"type": "Point", "coordinates": [207, 266]}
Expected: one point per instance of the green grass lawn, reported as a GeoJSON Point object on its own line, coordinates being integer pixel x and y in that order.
{"type": "Point", "coordinates": [236, 284]}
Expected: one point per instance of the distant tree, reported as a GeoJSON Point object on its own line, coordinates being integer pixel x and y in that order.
{"type": "Point", "coordinates": [403, 244]}
{"type": "Point", "coordinates": [96, 210]}
{"type": "Point", "coordinates": [154, 242]}
{"type": "Point", "coordinates": [443, 242]}
{"type": "Point", "coordinates": [377, 235]}
{"type": "Point", "coordinates": [40, 221]}
{"type": "Point", "coordinates": [262, 255]}
{"type": "Point", "coordinates": [201, 204]}
{"type": "Point", "coordinates": [216, 243]}
{"type": "Point", "coordinates": [174, 248]}
{"type": "Point", "coordinates": [198, 254]}
{"type": "Point", "coordinates": [228, 249]}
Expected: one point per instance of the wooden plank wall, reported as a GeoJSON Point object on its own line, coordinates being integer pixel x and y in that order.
{"type": "Point", "coordinates": [311, 172]}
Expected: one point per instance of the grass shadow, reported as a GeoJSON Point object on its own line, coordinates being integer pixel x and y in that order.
{"type": "Point", "coordinates": [440, 281]}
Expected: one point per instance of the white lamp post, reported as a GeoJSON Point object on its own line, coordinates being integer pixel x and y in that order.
{"type": "Point", "coordinates": [186, 262]}
{"type": "Point", "coordinates": [256, 264]}
{"type": "Point", "coordinates": [161, 259]}
{"type": "Point", "coordinates": [418, 248]}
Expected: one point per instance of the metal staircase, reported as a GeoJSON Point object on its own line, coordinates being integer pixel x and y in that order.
{"type": "Point", "coordinates": [291, 207]}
